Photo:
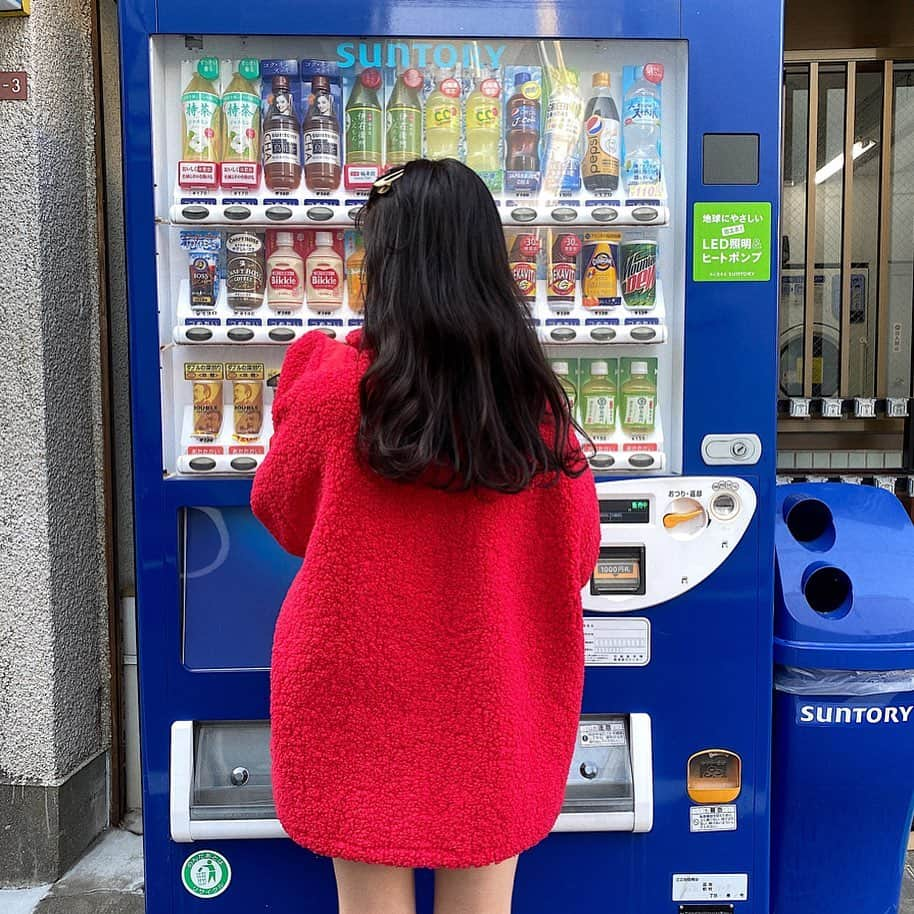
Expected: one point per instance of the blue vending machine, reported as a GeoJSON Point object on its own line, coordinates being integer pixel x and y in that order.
{"type": "Point", "coordinates": [645, 246]}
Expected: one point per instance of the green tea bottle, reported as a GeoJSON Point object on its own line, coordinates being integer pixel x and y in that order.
{"type": "Point", "coordinates": [563, 374]}
{"type": "Point", "coordinates": [598, 398]}
{"type": "Point", "coordinates": [639, 400]}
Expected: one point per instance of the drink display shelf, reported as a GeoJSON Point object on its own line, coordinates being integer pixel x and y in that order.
{"type": "Point", "coordinates": [277, 211]}
{"type": "Point", "coordinates": [556, 324]}
{"type": "Point", "coordinates": [221, 453]}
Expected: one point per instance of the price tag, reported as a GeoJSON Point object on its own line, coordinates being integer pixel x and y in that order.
{"type": "Point", "coordinates": [782, 480]}
{"type": "Point", "coordinates": [799, 408]}
{"type": "Point", "coordinates": [831, 407]}
{"type": "Point", "coordinates": [853, 480]}
{"type": "Point", "coordinates": [14, 85]}
{"type": "Point", "coordinates": [886, 482]}
{"type": "Point", "coordinates": [896, 407]}
{"type": "Point", "coordinates": [864, 407]}
{"type": "Point", "coordinates": [909, 481]}
{"type": "Point", "coordinates": [817, 479]}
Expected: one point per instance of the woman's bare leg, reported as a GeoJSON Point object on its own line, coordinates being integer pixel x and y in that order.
{"type": "Point", "coordinates": [475, 890]}
{"type": "Point", "coordinates": [369, 888]}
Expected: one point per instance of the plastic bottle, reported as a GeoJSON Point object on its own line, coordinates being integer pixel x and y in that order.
{"type": "Point", "coordinates": [598, 401]}
{"type": "Point", "coordinates": [404, 119]}
{"type": "Point", "coordinates": [324, 275]}
{"type": "Point", "coordinates": [281, 142]}
{"type": "Point", "coordinates": [241, 115]}
{"type": "Point", "coordinates": [522, 261]}
{"type": "Point", "coordinates": [321, 138]}
{"type": "Point", "coordinates": [563, 374]}
{"type": "Point", "coordinates": [600, 167]}
{"type": "Point", "coordinates": [563, 127]}
{"type": "Point", "coordinates": [522, 141]}
{"type": "Point", "coordinates": [641, 129]}
{"type": "Point", "coordinates": [354, 283]}
{"type": "Point", "coordinates": [442, 120]}
{"type": "Point", "coordinates": [285, 275]}
{"type": "Point", "coordinates": [483, 126]}
{"type": "Point", "coordinates": [639, 400]}
{"type": "Point", "coordinates": [363, 120]}
{"type": "Point", "coordinates": [201, 113]}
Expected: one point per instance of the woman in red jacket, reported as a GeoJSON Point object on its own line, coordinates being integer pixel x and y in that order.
{"type": "Point", "coordinates": [428, 659]}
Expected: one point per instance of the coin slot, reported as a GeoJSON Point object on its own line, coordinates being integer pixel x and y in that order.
{"type": "Point", "coordinates": [714, 776]}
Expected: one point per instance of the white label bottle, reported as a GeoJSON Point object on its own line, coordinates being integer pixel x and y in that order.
{"type": "Point", "coordinates": [324, 275]}
{"type": "Point", "coordinates": [285, 275]}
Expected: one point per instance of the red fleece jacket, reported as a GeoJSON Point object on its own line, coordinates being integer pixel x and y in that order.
{"type": "Point", "coordinates": [428, 658]}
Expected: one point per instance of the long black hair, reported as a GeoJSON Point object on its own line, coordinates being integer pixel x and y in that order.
{"type": "Point", "coordinates": [458, 391]}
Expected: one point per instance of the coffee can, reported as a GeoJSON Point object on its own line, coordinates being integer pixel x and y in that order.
{"type": "Point", "coordinates": [639, 273]}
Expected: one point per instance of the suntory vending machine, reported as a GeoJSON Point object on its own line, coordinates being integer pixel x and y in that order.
{"type": "Point", "coordinates": [633, 152]}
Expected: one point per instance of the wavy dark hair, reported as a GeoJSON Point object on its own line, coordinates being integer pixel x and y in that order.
{"type": "Point", "coordinates": [458, 392]}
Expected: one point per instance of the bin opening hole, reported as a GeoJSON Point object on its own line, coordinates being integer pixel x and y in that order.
{"type": "Point", "coordinates": [810, 522]}
{"type": "Point", "coordinates": [828, 589]}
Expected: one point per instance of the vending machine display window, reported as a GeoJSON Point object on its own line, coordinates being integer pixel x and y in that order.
{"type": "Point", "coordinates": [265, 149]}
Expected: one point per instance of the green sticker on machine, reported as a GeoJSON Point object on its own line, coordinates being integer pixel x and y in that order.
{"type": "Point", "coordinates": [731, 242]}
{"type": "Point", "coordinates": [206, 874]}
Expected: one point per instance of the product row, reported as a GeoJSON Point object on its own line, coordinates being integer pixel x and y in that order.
{"type": "Point", "coordinates": [225, 420]}
{"type": "Point", "coordinates": [278, 127]}
{"type": "Point", "coordinates": [255, 287]}
{"type": "Point", "coordinates": [615, 401]}
{"type": "Point", "coordinates": [221, 411]}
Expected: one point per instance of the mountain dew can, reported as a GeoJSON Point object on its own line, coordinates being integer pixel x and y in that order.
{"type": "Point", "coordinates": [638, 273]}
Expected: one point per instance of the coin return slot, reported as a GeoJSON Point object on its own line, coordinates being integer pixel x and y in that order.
{"type": "Point", "coordinates": [714, 776]}
{"type": "Point", "coordinates": [620, 570]}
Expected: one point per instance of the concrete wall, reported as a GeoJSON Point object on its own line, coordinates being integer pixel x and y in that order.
{"type": "Point", "coordinates": [54, 731]}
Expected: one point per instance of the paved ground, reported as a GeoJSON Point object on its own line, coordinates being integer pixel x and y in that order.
{"type": "Point", "coordinates": [109, 880]}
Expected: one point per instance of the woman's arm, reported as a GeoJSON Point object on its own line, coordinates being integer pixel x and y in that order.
{"type": "Point", "coordinates": [286, 489]}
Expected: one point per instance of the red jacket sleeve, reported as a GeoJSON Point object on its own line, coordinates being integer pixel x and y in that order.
{"type": "Point", "coordinates": [286, 489]}
{"type": "Point", "coordinates": [588, 516]}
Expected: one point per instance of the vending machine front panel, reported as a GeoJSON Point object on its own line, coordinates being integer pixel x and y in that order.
{"type": "Point", "coordinates": [670, 372]}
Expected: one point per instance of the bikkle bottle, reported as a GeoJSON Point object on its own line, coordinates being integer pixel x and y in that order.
{"type": "Point", "coordinates": [285, 275]}
{"type": "Point", "coordinates": [321, 138]}
{"type": "Point", "coordinates": [404, 119]}
{"type": "Point", "coordinates": [600, 165]}
{"type": "Point", "coordinates": [324, 275]}
{"type": "Point", "coordinates": [281, 144]}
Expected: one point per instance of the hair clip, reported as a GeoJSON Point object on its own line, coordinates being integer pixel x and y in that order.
{"type": "Point", "coordinates": [383, 184]}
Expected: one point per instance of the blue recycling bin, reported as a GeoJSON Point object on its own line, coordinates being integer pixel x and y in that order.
{"type": "Point", "coordinates": [843, 752]}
